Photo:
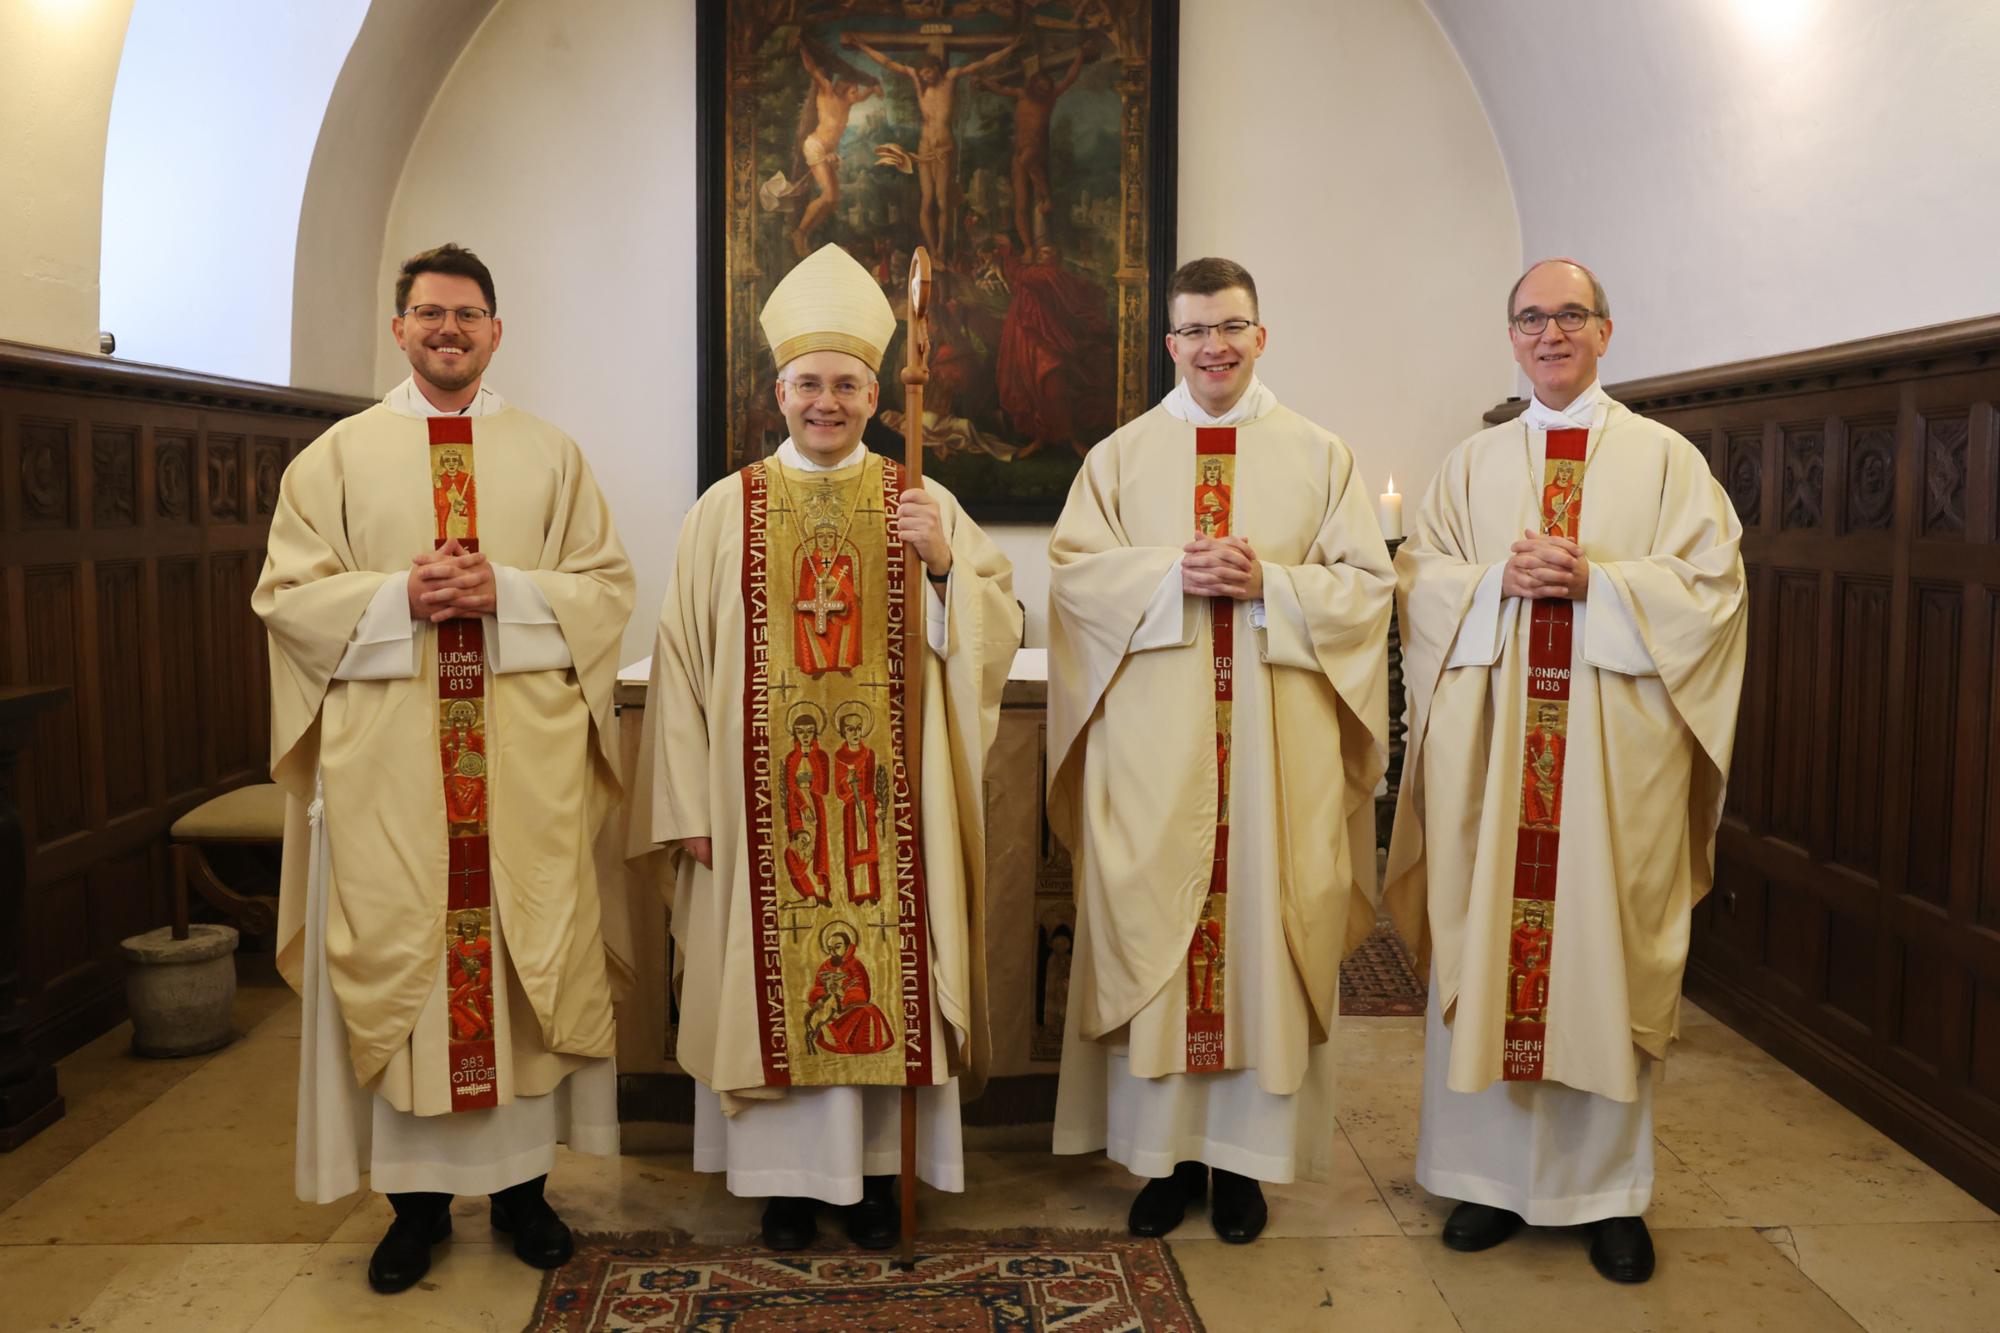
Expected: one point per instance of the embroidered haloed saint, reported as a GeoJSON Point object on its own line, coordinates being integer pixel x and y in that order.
{"type": "Point", "coordinates": [826, 913]}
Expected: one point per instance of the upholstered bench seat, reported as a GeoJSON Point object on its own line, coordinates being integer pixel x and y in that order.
{"type": "Point", "coordinates": [248, 814]}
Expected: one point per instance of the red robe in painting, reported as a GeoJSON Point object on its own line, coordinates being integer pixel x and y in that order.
{"type": "Point", "coordinates": [1541, 779]}
{"type": "Point", "coordinates": [1055, 355]}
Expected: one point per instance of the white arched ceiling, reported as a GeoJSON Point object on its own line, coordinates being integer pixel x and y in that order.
{"type": "Point", "coordinates": [392, 76]}
{"type": "Point", "coordinates": [1749, 177]}
{"type": "Point", "coordinates": [213, 120]}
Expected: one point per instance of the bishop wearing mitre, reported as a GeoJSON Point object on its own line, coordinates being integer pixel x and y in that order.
{"type": "Point", "coordinates": [826, 915]}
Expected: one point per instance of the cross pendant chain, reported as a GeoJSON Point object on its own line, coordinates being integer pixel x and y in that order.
{"type": "Point", "coordinates": [824, 601]}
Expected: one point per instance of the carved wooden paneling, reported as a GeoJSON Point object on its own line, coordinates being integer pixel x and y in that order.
{"type": "Point", "coordinates": [48, 488]}
{"type": "Point", "coordinates": [121, 653]}
{"type": "Point", "coordinates": [181, 705]}
{"type": "Point", "coordinates": [1871, 475]}
{"type": "Point", "coordinates": [234, 733]}
{"type": "Point", "coordinates": [1804, 495]}
{"type": "Point", "coordinates": [50, 599]}
{"type": "Point", "coordinates": [1792, 923]}
{"type": "Point", "coordinates": [1945, 439]}
{"type": "Point", "coordinates": [1935, 644]}
{"type": "Point", "coordinates": [1988, 864]}
{"type": "Point", "coordinates": [1920, 1004]}
{"type": "Point", "coordinates": [267, 465]}
{"type": "Point", "coordinates": [1855, 922]}
{"type": "Point", "coordinates": [1861, 722]}
{"type": "Point", "coordinates": [173, 473]}
{"type": "Point", "coordinates": [136, 506]}
{"type": "Point", "coordinates": [114, 476]}
{"type": "Point", "coordinates": [1744, 478]}
{"type": "Point", "coordinates": [1796, 726]}
{"type": "Point", "coordinates": [1851, 981]}
{"type": "Point", "coordinates": [225, 478]}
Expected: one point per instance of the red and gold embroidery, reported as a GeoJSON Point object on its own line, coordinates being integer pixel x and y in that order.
{"type": "Point", "coordinates": [1214, 491]}
{"type": "Point", "coordinates": [842, 969]}
{"type": "Point", "coordinates": [461, 682]}
{"type": "Point", "coordinates": [1531, 941]}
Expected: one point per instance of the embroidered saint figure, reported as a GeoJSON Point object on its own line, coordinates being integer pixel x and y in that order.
{"type": "Point", "coordinates": [1541, 779]}
{"type": "Point", "coordinates": [807, 778]}
{"type": "Point", "coordinates": [464, 752]}
{"type": "Point", "coordinates": [1528, 965]}
{"type": "Point", "coordinates": [840, 1014]}
{"type": "Point", "coordinates": [1562, 502]}
{"type": "Point", "coordinates": [827, 608]}
{"type": "Point", "coordinates": [452, 495]}
{"type": "Point", "coordinates": [467, 965]}
{"type": "Point", "coordinates": [862, 785]}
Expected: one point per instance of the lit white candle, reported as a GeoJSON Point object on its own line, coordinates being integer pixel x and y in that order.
{"type": "Point", "coordinates": [1392, 512]}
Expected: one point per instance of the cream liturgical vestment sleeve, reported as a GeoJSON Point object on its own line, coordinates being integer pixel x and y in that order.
{"type": "Point", "coordinates": [1557, 817]}
{"type": "Point", "coordinates": [1214, 782]}
{"type": "Point", "coordinates": [786, 983]}
{"type": "Point", "coordinates": [374, 938]}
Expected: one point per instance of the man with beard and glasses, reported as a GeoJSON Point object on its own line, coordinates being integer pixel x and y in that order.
{"type": "Point", "coordinates": [445, 595]}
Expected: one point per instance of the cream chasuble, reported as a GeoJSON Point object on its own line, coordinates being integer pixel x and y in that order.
{"type": "Point", "coordinates": [479, 989]}
{"type": "Point", "coordinates": [835, 958]}
{"type": "Point", "coordinates": [1216, 949]}
{"type": "Point", "coordinates": [1557, 818]}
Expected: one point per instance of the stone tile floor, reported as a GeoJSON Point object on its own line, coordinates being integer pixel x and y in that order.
{"type": "Point", "coordinates": [163, 1201]}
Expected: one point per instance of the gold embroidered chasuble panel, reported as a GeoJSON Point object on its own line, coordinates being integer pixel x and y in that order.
{"type": "Point", "coordinates": [839, 910]}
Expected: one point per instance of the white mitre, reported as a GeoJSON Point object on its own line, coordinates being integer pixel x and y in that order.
{"type": "Point", "coordinates": [828, 303]}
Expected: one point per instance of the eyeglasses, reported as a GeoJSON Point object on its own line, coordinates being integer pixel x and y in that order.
{"type": "Point", "coordinates": [1569, 320]}
{"type": "Point", "coordinates": [1228, 328]}
{"type": "Point", "coordinates": [809, 388]}
{"type": "Point", "coordinates": [432, 316]}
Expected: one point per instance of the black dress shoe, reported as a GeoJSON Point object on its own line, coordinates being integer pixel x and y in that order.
{"type": "Point", "coordinates": [404, 1255]}
{"type": "Point", "coordinates": [1163, 1203]}
{"type": "Point", "coordinates": [1622, 1249]}
{"type": "Point", "coordinates": [789, 1222]}
{"type": "Point", "coordinates": [1478, 1226]}
{"type": "Point", "coordinates": [1237, 1210]}
{"type": "Point", "coordinates": [541, 1239]}
{"type": "Point", "coordinates": [876, 1223]}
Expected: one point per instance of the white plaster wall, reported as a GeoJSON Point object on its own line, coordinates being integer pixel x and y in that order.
{"type": "Point", "coordinates": [386, 87]}
{"type": "Point", "coordinates": [561, 149]}
{"type": "Point", "coordinates": [58, 62]}
{"type": "Point", "coordinates": [1338, 150]}
{"type": "Point", "coordinates": [217, 108]}
{"type": "Point", "coordinates": [1750, 177]}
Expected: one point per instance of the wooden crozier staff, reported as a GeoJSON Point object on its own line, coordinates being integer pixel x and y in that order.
{"type": "Point", "coordinates": [915, 373]}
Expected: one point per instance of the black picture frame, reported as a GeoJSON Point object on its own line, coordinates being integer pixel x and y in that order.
{"type": "Point", "coordinates": [726, 192]}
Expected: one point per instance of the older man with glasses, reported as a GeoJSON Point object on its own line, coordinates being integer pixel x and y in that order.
{"type": "Point", "coordinates": [1573, 621]}
{"type": "Point", "coordinates": [1218, 715]}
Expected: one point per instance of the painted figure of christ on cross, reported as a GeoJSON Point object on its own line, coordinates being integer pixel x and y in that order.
{"type": "Point", "coordinates": [935, 81]}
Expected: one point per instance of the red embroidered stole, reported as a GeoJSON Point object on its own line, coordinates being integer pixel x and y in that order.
{"type": "Point", "coordinates": [807, 1034]}
{"type": "Point", "coordinates": [461, 688]}
{"type": "Point", "coordinates": [1214, 492]}
{"type": "Point", "coordinates": [1531, 942]}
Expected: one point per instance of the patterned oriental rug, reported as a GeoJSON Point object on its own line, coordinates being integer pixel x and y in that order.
{"type": "Point", "coordinates": [965, 1282]}
{"type": "Point", "coordinates": [1381, 980]}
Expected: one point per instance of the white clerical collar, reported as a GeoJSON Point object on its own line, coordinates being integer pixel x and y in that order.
{"type": "Point", "coordinates": [1582, 414]}
{"type": "Point", "coordinates": [795, 458]}
{"type": "Point", "coordinates": [1255, 402]}
{"type": "Point", "coordinates": [407, 400]}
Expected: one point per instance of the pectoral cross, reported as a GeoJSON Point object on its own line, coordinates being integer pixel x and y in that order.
{"type": "Point", "coordinates": [824, 602]}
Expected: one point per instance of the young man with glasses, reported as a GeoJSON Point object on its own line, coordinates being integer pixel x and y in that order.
{"type": "Point", "coordinates": [782, 624]}
{"type": "Point", "coordinates": [445, 595]}
{"type": "Point", "coordinates": [1218, 717]}
{"type": "Point", "coordinates": [1573, 622]}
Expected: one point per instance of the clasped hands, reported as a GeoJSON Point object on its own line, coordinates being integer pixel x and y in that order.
{"type": "Point", "coordinates": [449, 583]}
{"type": "Point", "coordinates": [1543, 566]}
{"type": "Point", "coordinates": [1221, 567]}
